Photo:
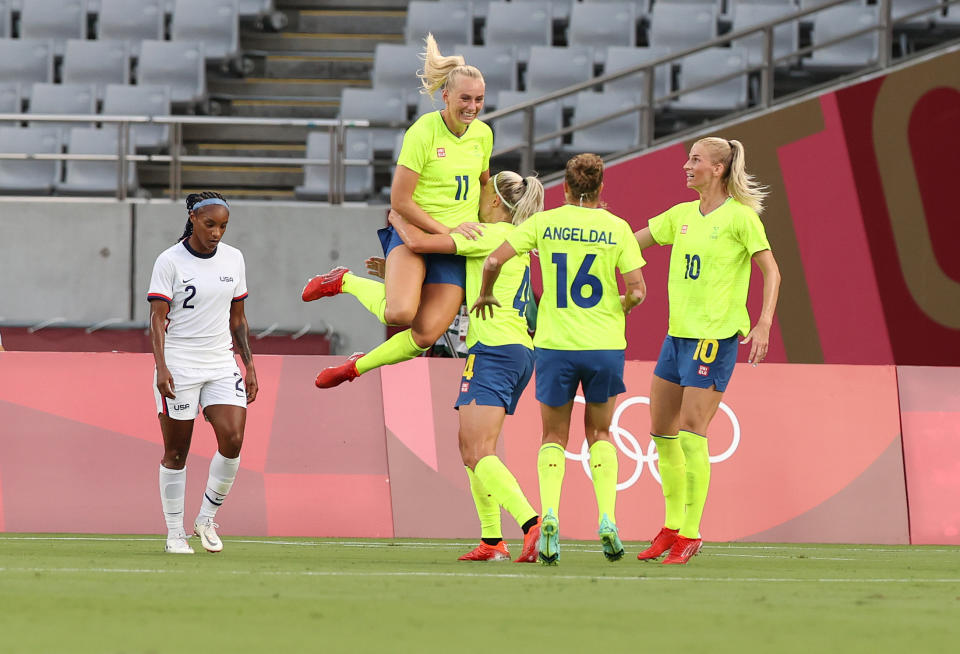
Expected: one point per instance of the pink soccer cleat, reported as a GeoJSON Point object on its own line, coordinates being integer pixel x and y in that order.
{"type": "Point", "coordinates": [683, 550]}
{"type": "Point", "coordinates": [661, 543]}
{"type": "Point", "coordinates": [484, 552]}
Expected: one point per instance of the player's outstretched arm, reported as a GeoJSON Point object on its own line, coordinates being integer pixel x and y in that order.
{"type": "Point", "coordinates": [759, 336]}
{"type": "Point", "coordinates": [420, 241]}
{"type": "Point", "coordinates": [241, 339]}
{"type": "Point", "coordinates": [644, 238]}
{"type": "Point", "coordinates": [491, 271]}
{"type": "Point", "coordinates": [635, 290]}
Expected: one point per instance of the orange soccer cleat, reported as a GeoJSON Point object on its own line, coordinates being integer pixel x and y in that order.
{"type": "Point", "coordinates": [683, 550]}
{"type": "Point", "coordinates": [661, 543]}
{"type": "Point", "coordinates": [484, 552]}
{"type": "Point", "coordinates": [325, 285]}
{"type": "Point", "coordinates": [530, 549]}
{"type": "Point", "coordinates": [336, 375]}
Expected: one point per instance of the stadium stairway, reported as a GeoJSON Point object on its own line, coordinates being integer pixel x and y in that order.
{"type": "Point", "coordinates": [298, 71]}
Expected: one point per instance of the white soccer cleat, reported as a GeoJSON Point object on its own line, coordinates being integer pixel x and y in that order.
{"type": "Point", "coordinates": [205, 528]}
{"type": "Point", "coordinates": [178, 544]}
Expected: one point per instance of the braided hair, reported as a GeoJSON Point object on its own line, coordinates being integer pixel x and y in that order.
{"type": "Point", "coordinates": [192, 201]}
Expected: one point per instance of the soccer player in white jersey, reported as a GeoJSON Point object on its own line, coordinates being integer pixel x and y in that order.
{"type": "Point", "coordinates": [196, 317]}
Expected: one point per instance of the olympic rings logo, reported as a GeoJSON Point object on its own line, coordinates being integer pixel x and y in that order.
{"type": "Point", "coordinates": [630, 446]}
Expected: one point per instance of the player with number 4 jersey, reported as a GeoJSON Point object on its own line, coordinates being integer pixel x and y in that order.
{"type": "Point", "coordinates": [714, 240]}
{"type": "Point", "coordinates": [580, 335]}
{"type": "Point", "coordinates": [500, 359]}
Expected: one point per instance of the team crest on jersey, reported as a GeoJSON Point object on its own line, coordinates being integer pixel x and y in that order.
{"type": "Point", "coordinates": [703, 371]}
{"type": "Point", "coordinates": [683, 229]}
{"type": "Point", "coordinates": [441, 153]}
{"type": "Point", "coordinates": [716, 232]}
{"type": "Point", "coordinates": [464, 387]}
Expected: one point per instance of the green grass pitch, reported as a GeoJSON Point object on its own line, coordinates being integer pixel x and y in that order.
{"type": "Point", "coordinates": [112, 594]}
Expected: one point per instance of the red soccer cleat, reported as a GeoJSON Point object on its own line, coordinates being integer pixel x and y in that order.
{"type": "Point", "coordinates": [530, 550]}
{"type": "Point", "coordinates": [324, 285]}
{"type": "Point", "coordinates": [484, 552]}
{"type": "Point", "coordinates": [683, 550]}
{"type": "Point", "coordinates": [336, 375]}
{"type": "Point", "coordinates": [661, 543]}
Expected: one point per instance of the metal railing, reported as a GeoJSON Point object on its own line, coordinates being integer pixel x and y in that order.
{"type": "Point", "coordinates": [175, 159]}
{"type": "Point", "coordinates": [647, 106]}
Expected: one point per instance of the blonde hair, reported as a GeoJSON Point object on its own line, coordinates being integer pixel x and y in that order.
{"type": "Point", "coordinates": [522, 196]}
{"type": "Point", "coordinates": [742, 186]}
{"type": "Point", "coordinates": [441, 71]}
{"type": "Point", "coordinates": [584, 175]}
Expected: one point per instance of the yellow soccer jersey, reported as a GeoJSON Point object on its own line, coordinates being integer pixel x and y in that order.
{"type": "Point", "coordinates": [509, 323]}
{"type": "Point", "coordinates": [580, 251]}
{"type": "Point", "coordinates": [709, 267]}
{"type": "Point", "coordinates": [449, 167]}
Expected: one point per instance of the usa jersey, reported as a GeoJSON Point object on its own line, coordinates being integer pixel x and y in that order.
{"type": "Point", "coordinates": [200, 288]}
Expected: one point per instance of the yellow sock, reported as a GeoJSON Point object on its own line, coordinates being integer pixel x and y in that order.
{"type": "Point", "coordinates": [371, 294]}
{"type": "Point", "coordinates": [603, 469]}
{"type": "Point", "coordinates": [504, 488]}
{"type": "Point", "coordinates": [698, 481]}
{"type": "Point", "coordinates": [397, 348]}
{"type": "Point", "coordinates": [488, 510]}
{"type": "Point", "coordinates": [673, 479]}
{"type": "Point", "coordinates": [551, 464]}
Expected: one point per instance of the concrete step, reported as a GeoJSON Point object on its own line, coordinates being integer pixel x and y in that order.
{"type": "Point", "coordinates": [231, 193]}
{"type": "Point", "coordinates": [226, 176]}
{"type": "Point", "coordinates": [319, 42]}
{"type": "Point", "coordinates": [349, 21]}
{"type": "Point", "coordinates": [248, 149]}
{"type": "Point", "coordinates": [282, 87]}
{"type": "Point", "coordinates": [341, 4]}
{"type": "Point", "coordinates": [284, 108]}
{"type": "Point", "coordinates": [357, 67]}
{"type": "Point", "coordinates": [243, 134]}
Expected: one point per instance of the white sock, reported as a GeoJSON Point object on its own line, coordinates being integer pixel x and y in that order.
{"type": "Point", "coordinates": [173, 486]}
{"type": "Point", "coordinates": [222, 473]}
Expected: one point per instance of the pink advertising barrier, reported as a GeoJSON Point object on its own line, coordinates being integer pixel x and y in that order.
{"type": "Point", "coordinates": [802, 453]}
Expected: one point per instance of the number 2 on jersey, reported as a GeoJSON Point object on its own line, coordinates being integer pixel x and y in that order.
{"type": "Point", "coordinates": [581, 279]}
{"type": "Point", "coordinates": [192, 290]}
{"type": "Point", "coordinates": [463, 187]}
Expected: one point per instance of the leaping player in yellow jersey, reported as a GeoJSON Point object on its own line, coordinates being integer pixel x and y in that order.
{"type": "Point", "coordinates": [714, 239]}
{"type": "Point", "coordinates": [580, 335]}
{"type": "Point", "coordinates": [443, 164]}
{"type": "Point", "coordinates": [500, 360]}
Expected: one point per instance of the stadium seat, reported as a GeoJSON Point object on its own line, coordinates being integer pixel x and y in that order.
{"type": "Point", "coordinates": [378, 107]}
{"type": "Point", "coordinates": [5, 19]}
{"type": "Point", "coordinates": [620, 57]}
{"type": "Point", "coordinates": [255, 7]}
{"type": "Point", "coordinates": [554, 68]}
{"type": "Point", "coordinates": [611, 135]}
{"type": "Point", "coordinates": [602, 24]}
{"type": "Point", "coordinates": [96, 62]}
{"type": "Point", "coordinates": [449, 22]}
{"type": "Point", "coordinates": [358, 184]}
{"type": "Point", "coordinates": [215, 23]}
{"type": "Point", "coordinates": [24, 176]}
{"type": "Point", "coordinates": [94, 177]}
{"type": "Point", "coordinates": [641, 7]}
{"type": "Point", "coordinates": [498, 63]}
{"type": "Point", "coordinates": [10, 102]}
{"type": "Point", "coordinates": [26, 61]}
{"type": "Point", "coordinates": [395, 69]}
{"type": "Point", "coordinates": [142, 100]}
{"type": "Point", "coordinates": [712, 63]}
{"type": "Point", "coordinates": [178, 65]}
{"type": "Point", "coordinates": [520, 24]}
{"type": "Point", "coordinates": [900, 8]}
{"type": "Point", "coordinates": [786, 36]}
{"type": "Point", "coordinates": [682, 25]}
{"type": "Point", "coordinates": [131, 21]}
{"type": "Point", "coordinates": [856, 52]}
{"type": "Point", "coordinates": [952, 17]}
{"type": "Point", "coordinates": [62, 99]}
{"type": "Point", "coordinates": [58, 20]}
{"type": "Point", "coordinates": [508, 131]}
{"type": "Point", "coordinates": [559, 9]}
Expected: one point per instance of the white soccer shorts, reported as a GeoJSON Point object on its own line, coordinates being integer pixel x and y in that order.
{"type": "Point", "coordinates": [200, 387]}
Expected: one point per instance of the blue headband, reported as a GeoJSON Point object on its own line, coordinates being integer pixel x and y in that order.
{"type": "Point", "coordinates": [210, 201]}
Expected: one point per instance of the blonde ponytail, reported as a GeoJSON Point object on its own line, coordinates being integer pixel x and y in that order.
{"type": "Point", "coordinates": [522, 197]}
{"type": "Point", "coordinates": [740, 185]}
{"type": "Point", "coordinates": [440, 71]}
